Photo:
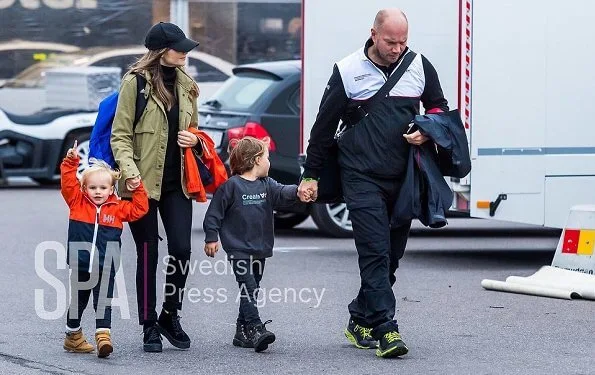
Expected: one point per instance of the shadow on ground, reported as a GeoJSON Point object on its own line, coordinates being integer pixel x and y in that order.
{"type": "Point", "coordinates": [480, 259]}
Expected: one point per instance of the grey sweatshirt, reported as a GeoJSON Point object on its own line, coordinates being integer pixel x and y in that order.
{"type": "Point", "coordinates": [241, 213]}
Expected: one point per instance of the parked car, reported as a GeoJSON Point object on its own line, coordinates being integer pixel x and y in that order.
{"type": "Point", "coordinates": [209, 71]}
{"type": "Point", "coordinates": [17, 55]}
{"type": "Point", "coordinates": [32, 145]}
{"type": "Point", "coordinates": [263, 100]}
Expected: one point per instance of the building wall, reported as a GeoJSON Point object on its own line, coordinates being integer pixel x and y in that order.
{"type": "Point", "coordinates": [243, 31]}
{"type": "Point", "coordinates": [161, 11]}
{"type": "Point", "coordinates": [214, 25]}
{"type": "Point", "coordinates": [236, 31]}
{"type": "Point", "coordinates": [268, 32]}
{"type": "Point", "coordinates": [86, 23]}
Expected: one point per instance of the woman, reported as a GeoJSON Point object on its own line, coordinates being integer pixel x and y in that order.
{"type": "Point", "coordinates": [152, 151]}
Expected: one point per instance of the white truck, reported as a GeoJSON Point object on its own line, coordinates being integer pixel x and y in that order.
{"type": "Point", "coordinates": [520, 71]}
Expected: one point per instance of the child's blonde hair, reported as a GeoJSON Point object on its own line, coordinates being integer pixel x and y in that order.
{"type": "Point", "coordinates": [96, 166]}
{"type": "Point", "coordinates": [243, 153]}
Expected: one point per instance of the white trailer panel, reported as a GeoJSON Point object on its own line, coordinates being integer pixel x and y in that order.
{"type": "Point", "coordinates": [530, 108]}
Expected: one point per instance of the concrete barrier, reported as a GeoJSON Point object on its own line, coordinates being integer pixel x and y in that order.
{"type": "Point", "coordinates": [571, 274]}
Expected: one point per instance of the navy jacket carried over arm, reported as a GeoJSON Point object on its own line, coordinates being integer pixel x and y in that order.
{"type": "Point", "coordinates": [448, 133]}
{"type": "Point", "coordinates": [425, 195]}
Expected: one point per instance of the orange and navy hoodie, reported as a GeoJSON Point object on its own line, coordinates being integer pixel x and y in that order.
{"type": "Point", "coordinates": [96, 225]}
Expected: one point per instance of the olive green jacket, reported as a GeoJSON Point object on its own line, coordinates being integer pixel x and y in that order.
{"type": "Point", "coordinates": [141, 151]}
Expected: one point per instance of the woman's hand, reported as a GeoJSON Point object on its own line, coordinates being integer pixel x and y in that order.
{"type": "Point", "coordinates": [132, 183]}
{"type": "Point", "coordinates": [186, 139]}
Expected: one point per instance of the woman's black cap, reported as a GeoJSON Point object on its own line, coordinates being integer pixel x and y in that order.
{"type": "Point", "coordinates": [168, 35]}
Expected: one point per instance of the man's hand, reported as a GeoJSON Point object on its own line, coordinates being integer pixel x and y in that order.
{"type": "Point", "coordinates": [186, 139]}
{"type": "Point", "coordinates": [211, 248]}
{"type": "Point", "coordinates": [308, 190]}
{"type": "Point", "coordinates": [72, 153]}
{"type": "Point", "coordinates": [132, 183]}
{"type": "Point", "coordinates": [415, 138]}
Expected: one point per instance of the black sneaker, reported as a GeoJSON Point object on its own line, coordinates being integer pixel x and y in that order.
{"type": "Point", "coordinates": [360, 337]}
{"type": "Point", "coordinates": [260, 336]}
{"type": "Point", "coordinates": [241, 338]}
{"type": "Point", "coordinates": [152, 340]}
{"type": "Point", "coordinates": [170, 327]}
{"type": "Point", "coordinates": [391, 345]}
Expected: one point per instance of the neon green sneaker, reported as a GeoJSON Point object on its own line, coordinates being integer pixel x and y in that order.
{"type": "Point", "coordinates": [391, 345]}
{"type": "Point", "coordinates": [360, 337]}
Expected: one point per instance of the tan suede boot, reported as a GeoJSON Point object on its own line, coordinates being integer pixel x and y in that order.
{"type": "Point", "coordinates": [104, 344]}
{"type": "Point", "coordinates": [76, 342]}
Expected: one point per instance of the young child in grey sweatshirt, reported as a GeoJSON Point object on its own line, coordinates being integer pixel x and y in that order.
{"type": "Point", "coordinates": [241, 216]}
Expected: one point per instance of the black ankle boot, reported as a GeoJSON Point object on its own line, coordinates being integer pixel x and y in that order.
{"type": "Point", "coordinates": [151, 339]}
{"type": "Point", "coordinates": [260, 336]}
{"type": "Point", "coordinates": [170, 327]}
{"type": "Point", "coordinates": [241, 338]}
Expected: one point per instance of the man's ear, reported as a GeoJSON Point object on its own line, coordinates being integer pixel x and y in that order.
{"type": "Point", "coordinates": [373, 33]}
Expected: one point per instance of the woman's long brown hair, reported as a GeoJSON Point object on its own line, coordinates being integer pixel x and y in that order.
{"type": "Point", "coordinates": [150, 62]}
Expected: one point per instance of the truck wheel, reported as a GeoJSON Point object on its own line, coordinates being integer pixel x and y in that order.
{"type": "Point", "coordinates": [288, 220]}
{"type": "Point", "coordinates": [332, 219]}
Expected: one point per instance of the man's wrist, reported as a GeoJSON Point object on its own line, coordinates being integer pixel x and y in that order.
{"type": "Point", "coordinates": [309, 179]}
{"type": "Point", "coordinates": [310, 173]}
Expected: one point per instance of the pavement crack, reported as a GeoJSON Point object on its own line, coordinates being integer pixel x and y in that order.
{"type": "Point", "coordinates": [405, 299]}
{"type": "Point", "coordinates": [43, 367]}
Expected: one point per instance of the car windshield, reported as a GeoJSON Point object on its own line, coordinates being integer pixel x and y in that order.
{"type": "Point", "coordinates": [34, 76]}
{"type": "Point", "coordinates": [241, 91]}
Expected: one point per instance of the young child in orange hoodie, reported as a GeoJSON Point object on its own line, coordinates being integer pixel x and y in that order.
{"type": "Point", "coordinates": [94, 232]}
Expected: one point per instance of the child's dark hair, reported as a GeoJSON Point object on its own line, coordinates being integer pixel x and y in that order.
{"type": "Point", "coordinates": [243, 153]}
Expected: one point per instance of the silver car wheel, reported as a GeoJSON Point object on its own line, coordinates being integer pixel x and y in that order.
{"type": "Point", "coordinates": [83, 151]}
{"type": "Point", "coordinates": [339, 214]}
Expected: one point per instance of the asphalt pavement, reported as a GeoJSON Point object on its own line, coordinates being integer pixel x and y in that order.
{"type": "Point", "coordinates": [451, 324]}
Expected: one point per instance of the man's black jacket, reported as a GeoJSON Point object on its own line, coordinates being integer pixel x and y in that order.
{"type": "Point", "coordinates": [373, 146]}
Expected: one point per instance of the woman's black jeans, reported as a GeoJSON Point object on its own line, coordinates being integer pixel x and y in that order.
{"type": "Point", "coordinates": [176, 214]}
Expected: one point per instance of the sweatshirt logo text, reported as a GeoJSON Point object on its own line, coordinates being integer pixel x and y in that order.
{"type": "Point", "coordinates": [248, 199]}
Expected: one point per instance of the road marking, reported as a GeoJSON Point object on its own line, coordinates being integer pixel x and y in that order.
{"type": "Point", "coordinates": [289, 249]}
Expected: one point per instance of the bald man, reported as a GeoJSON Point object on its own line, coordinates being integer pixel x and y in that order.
{"type": "Point", "coordinates": [373, 153]}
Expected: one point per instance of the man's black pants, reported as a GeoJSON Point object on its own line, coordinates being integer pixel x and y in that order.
{"type": "Point", "coordinates": [370, 202]}
{"type": "Point", "coordinates": [176, 214]}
